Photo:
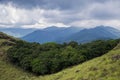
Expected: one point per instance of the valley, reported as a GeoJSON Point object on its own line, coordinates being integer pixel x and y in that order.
{"type": "Point", "coordinates": [105, 67]}
{"type": "Point", "coordinates": [59, 39]}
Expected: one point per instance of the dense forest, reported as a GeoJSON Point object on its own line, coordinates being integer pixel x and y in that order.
{"type": "Point", "coordinates": [51, 57]}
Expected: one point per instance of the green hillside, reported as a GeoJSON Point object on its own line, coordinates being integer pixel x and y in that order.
{"type": "Point", "coordinates": [105, 67]}
{"type": "Point", "coordinates": [5, 43]}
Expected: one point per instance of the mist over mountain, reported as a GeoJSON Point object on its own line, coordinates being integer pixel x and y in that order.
{"type": "Point", "coordinates": [63, 34]}
{"type": "Point", "coordinates": [99, 32]}
{"type": "Point", "coordinates": [51, 34]}
{"type": "Point", "coordinates": [81, 35]}
{"type": "Point", "coordinates": [17, 32]}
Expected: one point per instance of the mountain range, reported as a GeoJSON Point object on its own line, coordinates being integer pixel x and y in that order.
{"type": "Point", "coordinates": [63, 34]}
{"type": "Point", "coordinates": [17, 32]}
{"type": "Point", "coordinates": [100, 32]}
{"type": "Point", "coordinates": [81, 35]}
{"type": "Point", "coordinates": [51, 34]}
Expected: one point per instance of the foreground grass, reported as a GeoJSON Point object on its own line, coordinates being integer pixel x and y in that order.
{"type": "Point", "coordinates": [106, 67]}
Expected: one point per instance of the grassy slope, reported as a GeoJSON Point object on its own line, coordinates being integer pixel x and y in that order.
{"type": "Point", "coordinates": [106, 67]}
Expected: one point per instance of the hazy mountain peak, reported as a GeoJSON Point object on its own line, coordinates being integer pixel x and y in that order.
{"type": "Point", "coordinates": [52, 28]}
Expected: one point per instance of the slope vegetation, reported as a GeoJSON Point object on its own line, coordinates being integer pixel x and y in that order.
{"type": "Point", "coordinates": [6, 42]}
{"type": "Point", "coordinates": [105, 67]}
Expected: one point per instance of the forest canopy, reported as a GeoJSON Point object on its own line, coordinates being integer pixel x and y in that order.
{"type": "Point", "coordinates": [51, 57]}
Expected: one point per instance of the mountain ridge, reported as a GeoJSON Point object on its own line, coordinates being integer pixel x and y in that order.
{"type": "Point", "coordinates": [91, 34]}
{"type": "Point", "coordinates": [80, 35]}
{"type": "Point", "coordinates": [50, 35]}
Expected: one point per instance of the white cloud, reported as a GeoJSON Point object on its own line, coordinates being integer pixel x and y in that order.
{"type": "Point", "coordinates": [34, 18]}
{"type": "Point", "coordinates": [92, 15]}
{"type": "Point", "coordinates": [93, 23]}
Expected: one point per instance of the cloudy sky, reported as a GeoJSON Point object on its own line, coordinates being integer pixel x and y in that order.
{"type": "Point", "coordinates": [43, 13]}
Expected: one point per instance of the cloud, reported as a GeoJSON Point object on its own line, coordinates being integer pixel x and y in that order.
{"type": "Point", "coordinates": [51, 4]}
{"type": "Point", "coordinates": [37, 17]}
{"type": "Point", "coordinates": [108, 10]}
{"type": "Point", "coordinates": [43, 13]}
{"type": "Point", "coordinates": [94, 23]}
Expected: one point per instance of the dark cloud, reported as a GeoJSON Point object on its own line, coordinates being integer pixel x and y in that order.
{"type": "Point", "coordinates": [105, 15]}
{"type": "Point", "coordinates": [52, 4]}
{"type": "Point", "coordinates": [58, 11]}
{"type": "Point", "coordinates": [106, 11]}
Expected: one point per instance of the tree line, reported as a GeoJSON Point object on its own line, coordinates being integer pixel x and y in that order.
{"type": "Point", "coordinates": [51, 57]}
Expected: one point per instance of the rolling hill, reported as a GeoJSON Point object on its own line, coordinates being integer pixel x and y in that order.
{"type": "Point", "coordinates": [105, 67]}
{"type": "Point", "coordinates": [6, 41]}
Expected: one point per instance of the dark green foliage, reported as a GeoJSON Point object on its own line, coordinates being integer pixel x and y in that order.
{"type": "Point", "coordinates": [51, 57]}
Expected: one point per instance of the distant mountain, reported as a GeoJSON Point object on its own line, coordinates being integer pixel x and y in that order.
{"type": "Point", "coordinates": [51, 34]}
{"type": "Point", "coordinates": [53, 28]}
{"type": "Point", "coordinates": [99, 32]}
{"type": "Point", "coordinates": [17, 32]}
{"type": "Point", "coordinates": [62, 34]}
